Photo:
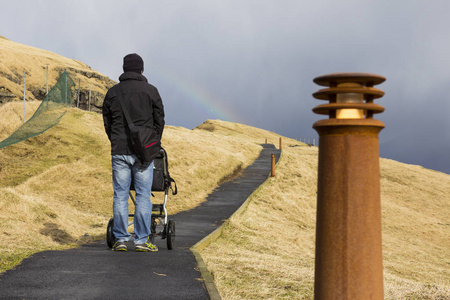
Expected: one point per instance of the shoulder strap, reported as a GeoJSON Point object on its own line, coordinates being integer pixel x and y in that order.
{"type": "Point", "coordinates": [127, 115]}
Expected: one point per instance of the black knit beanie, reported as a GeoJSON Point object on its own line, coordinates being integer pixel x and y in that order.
{"type": "Point", "coordinates": [133, 63]}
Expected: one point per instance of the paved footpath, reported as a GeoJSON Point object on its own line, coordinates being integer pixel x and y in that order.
{"type": "Point", "coordinates": [95, 272]}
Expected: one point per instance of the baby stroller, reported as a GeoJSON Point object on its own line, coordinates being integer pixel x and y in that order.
{"type": "Point", "coordinates": [162, 182]}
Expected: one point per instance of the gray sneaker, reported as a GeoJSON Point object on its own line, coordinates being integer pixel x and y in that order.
{"type": "Point", "coordinates": [146, 247]}
{"type": "Point", "coordinates": [120, 246]}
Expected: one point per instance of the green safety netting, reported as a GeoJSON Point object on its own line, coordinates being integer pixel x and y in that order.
{"type": "Point", "coordinates": [47, 114]}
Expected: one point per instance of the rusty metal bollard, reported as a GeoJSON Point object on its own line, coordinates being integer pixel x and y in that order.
{"type": "Point", "coordinates": [280, 144]}
{"type": "Point", "coordinates": [348, 234]}
{"type": "Point", "coordinates": [272, 169]}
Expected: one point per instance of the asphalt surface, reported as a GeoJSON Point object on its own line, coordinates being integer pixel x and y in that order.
{"type": "Point", "coordinates": [95, 272]}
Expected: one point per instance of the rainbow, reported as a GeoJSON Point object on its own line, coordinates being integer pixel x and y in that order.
{"type": "Point", "coordinates": [209, 103]}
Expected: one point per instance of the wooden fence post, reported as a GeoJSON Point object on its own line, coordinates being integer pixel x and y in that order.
{"type": "Point", "coordinates": [272, 170]}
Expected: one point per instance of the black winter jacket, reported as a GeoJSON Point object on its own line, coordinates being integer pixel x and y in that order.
{"type": "Point", "coordinates": [144, 105]}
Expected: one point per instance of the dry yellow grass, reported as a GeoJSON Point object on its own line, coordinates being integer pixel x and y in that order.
{"type": "Point", "coordinates": [12, 116]}
{"type": "Point", "coordinates": [15, 58]}
{"type": "Point", "coordinates": [52, 186]}
{"type": "Point", "coordinates": [268, 251]}
{"type": "Point", "coordinates": [56, 191]}
{"type": "Point", "coordinates": [416, 231]}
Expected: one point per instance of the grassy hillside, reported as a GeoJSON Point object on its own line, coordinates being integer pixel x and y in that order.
{"type": "Point", "coordinates": [56, 191]}
{"type": "Point", "coordinates": [268, 251]}
{"type": "Point", "coordinates": [16, 58]}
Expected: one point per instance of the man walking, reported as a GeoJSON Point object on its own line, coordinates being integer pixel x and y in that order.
{"type": "Point", "coordinates": [146, 109]}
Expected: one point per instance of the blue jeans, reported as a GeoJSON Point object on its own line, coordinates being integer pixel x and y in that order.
{"type": "Point", "coordinates": [124, 168]}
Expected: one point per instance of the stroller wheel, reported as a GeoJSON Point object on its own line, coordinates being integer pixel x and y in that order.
{"type": "Point", "coordinates": [110, 238]}
{"type": "Point", "coordinates": [170, 230]}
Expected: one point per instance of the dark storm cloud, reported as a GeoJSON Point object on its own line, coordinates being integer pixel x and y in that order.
{"type": "Point", "coordinates": [258, 58]}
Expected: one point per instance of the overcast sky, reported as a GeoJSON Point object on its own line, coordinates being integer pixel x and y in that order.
{"type": "Point", "coordinates": [253, 62]}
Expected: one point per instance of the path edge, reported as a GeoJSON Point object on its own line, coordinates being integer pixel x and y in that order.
{"type": "Point", "coordinates": [213, 236]}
